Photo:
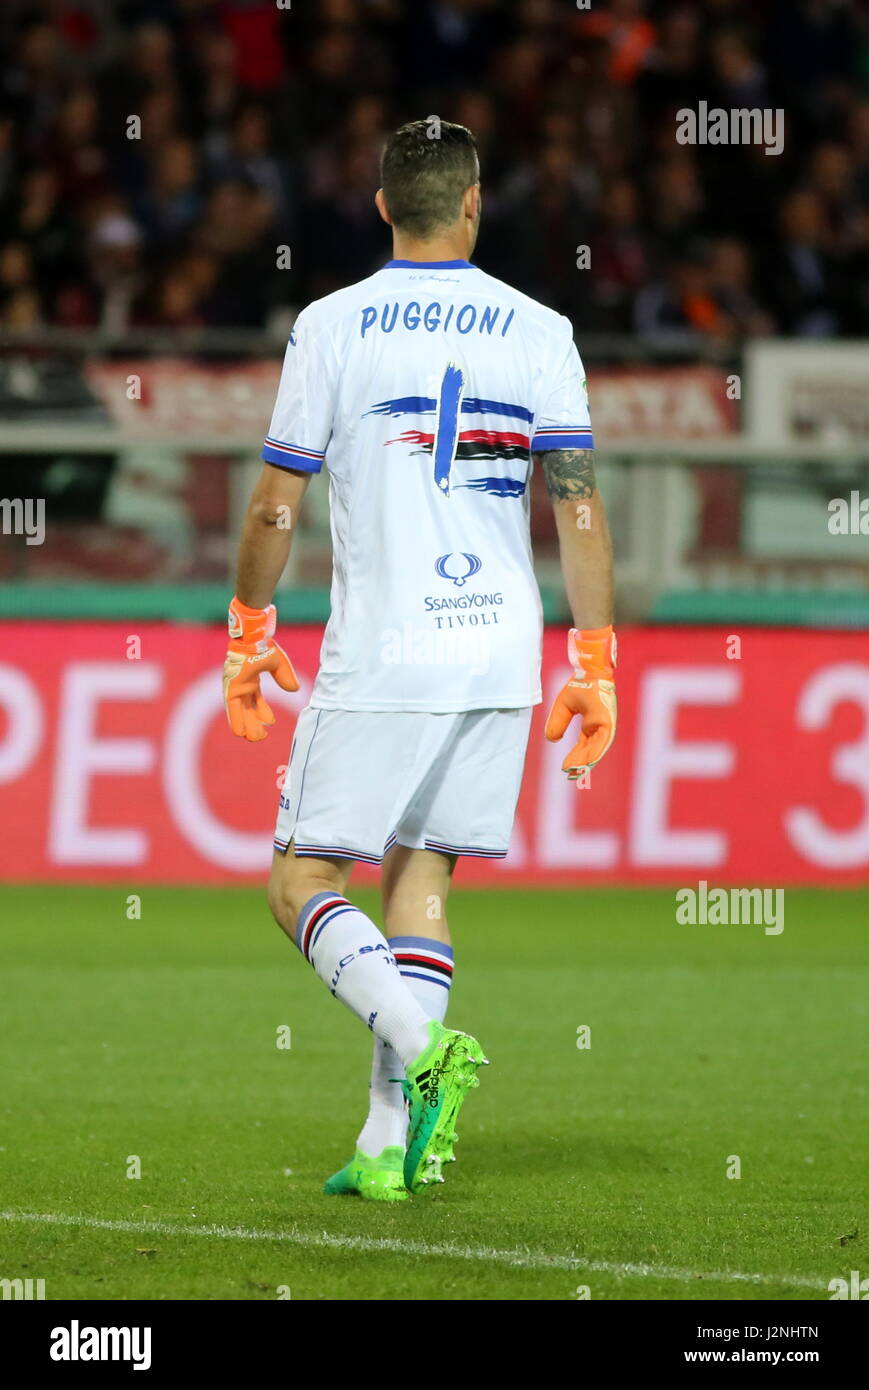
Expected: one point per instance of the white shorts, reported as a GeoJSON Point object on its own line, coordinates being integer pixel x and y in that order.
{"type": "Point", "coordinates": [360, 782]}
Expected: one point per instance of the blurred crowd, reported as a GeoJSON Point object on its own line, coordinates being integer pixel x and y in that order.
{"type": "Point", "coordinates": [186, 163]}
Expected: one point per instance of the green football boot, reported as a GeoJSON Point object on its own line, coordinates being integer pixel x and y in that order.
{"type": "Point", "coordinates": [378, 1179]}
{"type": "Point", "coordinates": [436, 1086]}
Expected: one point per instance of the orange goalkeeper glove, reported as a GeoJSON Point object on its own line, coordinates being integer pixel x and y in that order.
{"type": "Point", "coordinates": [252, 650]}
{"type": "Point", "coordinates": [591, 694]}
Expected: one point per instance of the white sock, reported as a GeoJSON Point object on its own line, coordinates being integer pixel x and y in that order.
{"type": "Point", "coordinates": [427, 968]}
{"type": "Point", "coordinates": [353, 958]}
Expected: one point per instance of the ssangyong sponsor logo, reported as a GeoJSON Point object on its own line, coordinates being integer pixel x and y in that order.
{"type": "Point", "coordinates": [435, 603]}
{"type": "Point", "coordinates": [459, 567]}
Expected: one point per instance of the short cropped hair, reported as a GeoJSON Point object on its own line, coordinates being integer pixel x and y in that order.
{"type": "Point", "coordinates": [426, 168]}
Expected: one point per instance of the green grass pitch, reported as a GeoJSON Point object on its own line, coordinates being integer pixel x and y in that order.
{"type": "Point", "coordinates": [603, 1167]}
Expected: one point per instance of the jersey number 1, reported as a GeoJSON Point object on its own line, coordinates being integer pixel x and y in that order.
{"type": "Point", "coordinates": [447, 425]}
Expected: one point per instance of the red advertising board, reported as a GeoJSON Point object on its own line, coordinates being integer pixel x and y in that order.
{"type": "Point", "coordinates": [662, 403]}
{"type": "Point", "coordinates": [742, 763]}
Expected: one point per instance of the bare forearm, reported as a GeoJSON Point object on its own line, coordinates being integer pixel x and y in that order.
{"type": "Point", "coordinates": [583, 535]}
{"type": "Point", "coordinates": [586, 563]}
{"type": "Point", "coordinates": [266, 535]}
{"type": "Point", "coordinates": [262, 555]}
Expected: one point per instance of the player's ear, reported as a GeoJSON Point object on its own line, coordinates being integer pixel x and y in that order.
{"type": "Point", "coordinates": [473, 202]}
{"type": "Point", "coordinates": [380, 204]}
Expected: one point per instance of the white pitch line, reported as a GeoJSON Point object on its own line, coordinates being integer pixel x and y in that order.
{"type": "Point", "coordinates": [517, 1259]}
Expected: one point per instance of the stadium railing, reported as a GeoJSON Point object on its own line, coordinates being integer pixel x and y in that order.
{"type": "Point", "coordinates": [706, 530]}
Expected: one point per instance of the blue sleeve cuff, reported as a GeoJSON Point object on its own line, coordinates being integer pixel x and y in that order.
{"type": "Point", "coordinates": [561, 437]}
{"type": "Point", "coordinates": [293, 456]}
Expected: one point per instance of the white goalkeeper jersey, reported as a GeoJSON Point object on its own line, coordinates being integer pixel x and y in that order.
{"type": "Point", "coordinates": [424, 390]}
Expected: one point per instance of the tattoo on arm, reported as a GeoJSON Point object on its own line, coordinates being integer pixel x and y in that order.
{"type": "Point", "coordinates": [569, 474]}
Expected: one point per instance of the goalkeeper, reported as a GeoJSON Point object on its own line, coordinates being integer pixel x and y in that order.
{"type": "Point", "coordinates": [430, 390]}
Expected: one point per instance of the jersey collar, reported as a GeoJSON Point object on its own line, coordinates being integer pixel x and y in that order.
{"type": "Point", "coordinates": [429, 265]}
